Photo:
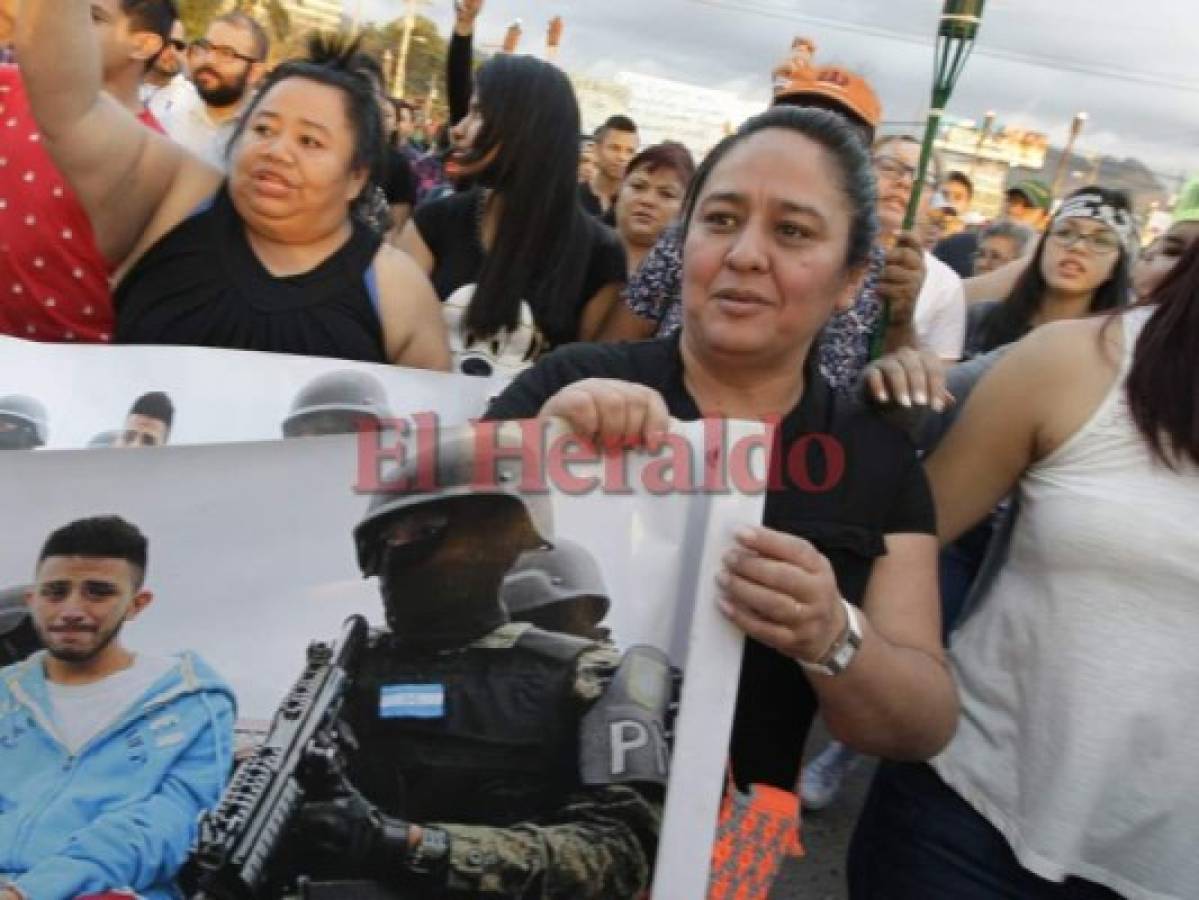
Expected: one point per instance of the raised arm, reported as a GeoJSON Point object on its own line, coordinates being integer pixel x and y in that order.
{"type": "Point", "coordinates": [459, 78]}
{"type": "Point", "coordinates": [124, 174]}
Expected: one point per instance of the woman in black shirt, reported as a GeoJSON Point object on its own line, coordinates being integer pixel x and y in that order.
{"type": "Point", "coordinates": [779, 222]}
{"type": "Point", "coordinates": [518, 264]}
{"type": "Point", "coordinates": [266, 259]}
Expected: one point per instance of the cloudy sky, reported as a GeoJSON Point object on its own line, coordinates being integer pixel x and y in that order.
{"type": "Point", "coordinates": [1037, 62]}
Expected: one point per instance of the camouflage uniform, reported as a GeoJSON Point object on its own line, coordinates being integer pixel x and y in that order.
{"type": "Point", "coordinates": [593, 846]}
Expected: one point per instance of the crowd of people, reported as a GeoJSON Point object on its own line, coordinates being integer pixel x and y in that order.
{"type": "Point", "coordinates": [997, 600]}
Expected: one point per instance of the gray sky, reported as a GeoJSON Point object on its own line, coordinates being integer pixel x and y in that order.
{"type": "Point", "coordinates": [1037, 62]}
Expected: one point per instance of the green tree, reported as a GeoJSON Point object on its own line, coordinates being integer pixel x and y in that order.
{"type": "Point", "coordinates": [273, 13]}
{"type": "Point", "coordinates": [196, 14]}
{"type": "Point", "coordinates": [426, 57]}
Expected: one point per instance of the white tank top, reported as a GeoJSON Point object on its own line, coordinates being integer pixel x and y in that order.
{"type": "Point", "coordinates": [1079, 672]}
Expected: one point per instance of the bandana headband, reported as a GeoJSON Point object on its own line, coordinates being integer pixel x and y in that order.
{"type": "Point", "coordinates": [1094, 206]}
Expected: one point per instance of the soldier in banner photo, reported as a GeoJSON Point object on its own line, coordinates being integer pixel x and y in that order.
{"type": "Point", "coordinates": [558, 588]}
{"type": "Point", "coordinates": [337, 403]}
{"type": "Point", "coordinates": [22, 423]}
{"type": "Point", "coordinates": [488, 757]}
{"type": "Point", "coordinates": [18, 638]}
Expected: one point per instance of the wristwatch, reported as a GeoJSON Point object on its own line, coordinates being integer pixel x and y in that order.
{"type": "Point", "coordinates": [838, 657]}
{"type": "Point", "coordinates": [431, 854]}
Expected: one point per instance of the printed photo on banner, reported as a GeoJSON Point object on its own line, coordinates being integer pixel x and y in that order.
{"type": "Point", "coordinates": [466, 633]}
{"type": "Point", "coordinates": [60, 396]}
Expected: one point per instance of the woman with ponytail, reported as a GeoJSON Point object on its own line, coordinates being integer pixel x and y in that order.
{"type": "Point", "coordinates": [519, 265]}
{"type": "Point", "coordinates": [269, 258]}
{"type": "Point", "coordinates": [1072, 773]}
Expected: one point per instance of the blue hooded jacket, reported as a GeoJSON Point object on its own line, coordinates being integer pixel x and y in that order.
{"type": "Point", "coordinates": [122, 812]}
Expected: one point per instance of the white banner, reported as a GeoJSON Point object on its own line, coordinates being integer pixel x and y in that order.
{"type": "Point", "coordinates": [251, 557]}
{"type": "Point", "coordinates": [86, 393]}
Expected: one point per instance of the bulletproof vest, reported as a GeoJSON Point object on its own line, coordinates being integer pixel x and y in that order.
{"type": "Point", "coordinates": [484, 736]}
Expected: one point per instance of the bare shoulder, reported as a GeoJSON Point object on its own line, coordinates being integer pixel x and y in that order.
{"type": "Point", "coordinates": [1065, 369]}
{"type": "Point", "coordinates": [398, 273]}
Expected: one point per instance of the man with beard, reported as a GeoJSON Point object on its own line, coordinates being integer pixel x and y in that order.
{"type": "Point", "coordinates": [53, 276]}
{"type": "Point", "coordinates": [486, 757]}
{"type": "Point", "coordinates": [167, 84]}
{"type": "Point", "coordinates": [225, 64]}
{"type": "Point", "coordinates": [107, 756]}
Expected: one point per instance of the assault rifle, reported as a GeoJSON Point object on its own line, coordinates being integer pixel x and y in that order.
{"type": "Point", "coordinates": [238, 838]}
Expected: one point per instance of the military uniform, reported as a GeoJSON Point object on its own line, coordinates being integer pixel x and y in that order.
{"type": "Point", "coordinates": [486, 757]}
{"type": "Point", "coordinates": [483, 743]}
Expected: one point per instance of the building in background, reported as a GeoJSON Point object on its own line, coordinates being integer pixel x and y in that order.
{"type": "Point", "coordinates": [317, 15]}
{"type": "Point", "coordinates": [663, 109]}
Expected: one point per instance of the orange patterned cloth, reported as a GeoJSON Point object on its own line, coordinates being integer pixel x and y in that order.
{"type": "Point", "coordinates": [756, 831]}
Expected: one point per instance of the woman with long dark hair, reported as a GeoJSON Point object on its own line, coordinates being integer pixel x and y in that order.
{"type": "Point", "coordinates": [1080, 266]}
{"type": "Point", "coordinates": [520, 266]}
{"type": "Point", "coordinates": [778, 227]}
{"type": "Point", "coordinates": [1072, 771]}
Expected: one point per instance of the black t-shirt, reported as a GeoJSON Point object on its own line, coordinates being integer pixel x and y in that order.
{"type": "Point", "coordinates": [398, 184]}
{"type": "Point", "coordinates": [591, 202]}
{"type": "Point", "coordinates": [957, 252]}
{"type": "Point", "coordinates": [450, 229]}
{"type": "Point", "coordinates": [883, 491]}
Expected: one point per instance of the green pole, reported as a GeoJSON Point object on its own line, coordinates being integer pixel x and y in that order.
{"type": "Point", "coordinates": [956, 32]}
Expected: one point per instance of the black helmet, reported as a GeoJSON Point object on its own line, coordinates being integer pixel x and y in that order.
{"type": "Point", "coordinates": [562, 576]}
{"type": "Point", "coordinates": [12, 607]}
{"type": "Point", "coordinates": [455, 477]}
{"type": "Point", "coordinates": [18, 637]}
{"type": "Point", "coordinates": [347, 393]}
{"type": "Point", "coordinates": [29, 417]}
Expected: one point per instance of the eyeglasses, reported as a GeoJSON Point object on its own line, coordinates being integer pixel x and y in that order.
{"type": "Point", "coordinates": [220, 52]}
{"type": "Point", "coordinates": [177, 45]}
{"type": "Point", "coordinates": [1101, 243]}
{"type": "Point", "coordinates": [898, 170]}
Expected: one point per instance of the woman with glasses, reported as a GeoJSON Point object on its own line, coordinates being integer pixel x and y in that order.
{"type": "Point", "coordinates": [1080, 266]}
{"type": "Point", "coordinates": [268, 258]}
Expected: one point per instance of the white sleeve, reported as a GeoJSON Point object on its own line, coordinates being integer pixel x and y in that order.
{"type": "Point", "coordinates": [940, 315]}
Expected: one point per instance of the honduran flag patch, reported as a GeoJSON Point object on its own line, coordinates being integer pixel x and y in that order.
{"type": "Point", "coordinates": [412, 701]}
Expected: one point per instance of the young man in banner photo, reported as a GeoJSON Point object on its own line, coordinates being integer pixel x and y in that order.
{"type": "Point", "coordinates": [107, 757]}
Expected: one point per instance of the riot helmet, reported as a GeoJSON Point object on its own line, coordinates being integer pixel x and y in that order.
{"type": "Point", "coordinates": [22, 423]}
{"type": "Point", "coordinates": [559, 588]}
{"type": "Point", "coordinates": [442, 534]}
{"type": "Point", "coordinates": [337, 403]}
{"type": "Point", "coordinates": [18, 638]}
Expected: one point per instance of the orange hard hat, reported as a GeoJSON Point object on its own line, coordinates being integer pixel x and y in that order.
{"type": "Point", "coordinates": [842, 86]}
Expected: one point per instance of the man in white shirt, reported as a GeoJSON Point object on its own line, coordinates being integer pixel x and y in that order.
{"type": "Point", "coordinates": [226, 64]}
{"type": "Point", "coordinates": [166, 83]}
{"type": "Point", "coordinates": [939, 316]}
{"type": "Point", "coordinates": [107, 757]}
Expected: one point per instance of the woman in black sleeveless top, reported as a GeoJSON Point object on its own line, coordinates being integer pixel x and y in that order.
{"type": "Point", "coordinates": [270, 259]}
